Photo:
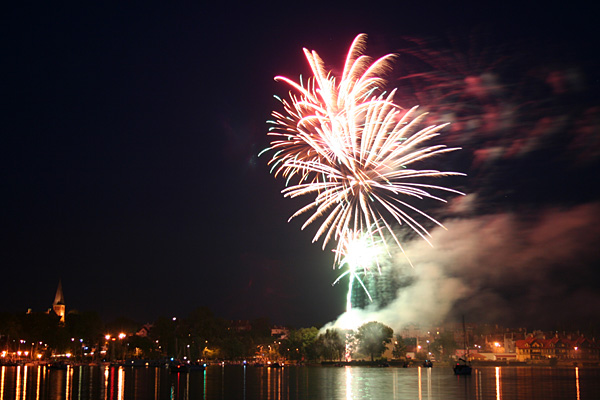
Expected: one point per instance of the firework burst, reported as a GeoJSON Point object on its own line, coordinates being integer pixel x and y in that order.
{"type": "Point", "coordinates": [347, 144]}
{"type": "Point", "coordinates": [360, 253]}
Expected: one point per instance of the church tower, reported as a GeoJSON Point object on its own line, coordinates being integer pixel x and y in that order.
{"type": "Point", "coordinates": [59, 303]}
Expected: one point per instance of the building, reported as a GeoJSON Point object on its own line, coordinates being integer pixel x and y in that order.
{"type": "Point", "coordinates": [144, 331]}
{"type": "Point", "coordinates": [241, 325]}
{"type": "Point", "coordinates": [280, 332]}
{"type": "Point", "coordinates": [59, 303]}
{"type": "Point", "coordinates": [559, 347]}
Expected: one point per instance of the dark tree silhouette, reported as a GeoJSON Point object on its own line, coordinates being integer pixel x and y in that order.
{"type": "Point", "coordinates": [373, 337]}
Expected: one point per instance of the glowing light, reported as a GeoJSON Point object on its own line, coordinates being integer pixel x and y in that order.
{"type": "Point", "coordinates": [344, 143]}
{"type": "Point", "coordinates": [498, 390]}
{"type": "Point", "coordinates": [122, 335]}
{"type": "Point", "coordinates": [37, 386]}
{"type": "Point", "coordinates": [359, 252]}
{"type": "Point", "coordinates": [2, 370]}
{"type": "Point", "coordinates": [24, 383]}
{"type": "Point", "coordinates": [419, 383]}
{"type": "Point", "coordinates": [121, 384]}
{"type": "Point", "coordinates": [18, 386]}
{"type": "Point", "coordinates": [349, 394]}
{"type": "Point", "coordinates": [349, 145]}
{"type": "Point", "coordinates": [577, 383]}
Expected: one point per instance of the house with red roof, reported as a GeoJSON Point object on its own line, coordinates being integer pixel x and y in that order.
{"type": "Point", "coordinates": [561, 348]}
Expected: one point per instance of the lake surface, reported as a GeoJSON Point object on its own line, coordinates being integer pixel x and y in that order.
{"type": "Point", "coordinates": [289, 383]}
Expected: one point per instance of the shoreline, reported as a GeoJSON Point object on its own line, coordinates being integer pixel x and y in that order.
{"type": "Point", "coordinates": [354, 363]}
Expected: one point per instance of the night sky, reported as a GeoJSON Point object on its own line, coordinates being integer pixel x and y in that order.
{"type": "Point", "coordinates": [129, 165]}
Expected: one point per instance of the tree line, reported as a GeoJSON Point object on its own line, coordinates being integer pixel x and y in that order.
{"type": "Point", "coordinates": [198, 336]}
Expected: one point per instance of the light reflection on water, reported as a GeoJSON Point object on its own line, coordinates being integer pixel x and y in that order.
{"type": "Point", "coordinates": [291, 383]}
{"type": "Point", "coordinates": [577, 381]}
{"type": "Point", "coordinates": [498, 395]}
{"type": "Point", "coordinates": [348, 383]}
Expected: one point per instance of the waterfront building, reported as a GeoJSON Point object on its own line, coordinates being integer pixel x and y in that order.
{"type": "Point", "coordinates": [558, 347]}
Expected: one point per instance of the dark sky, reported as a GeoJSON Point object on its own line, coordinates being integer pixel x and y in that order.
{"type": "Point", "coordinates": [129, 161]}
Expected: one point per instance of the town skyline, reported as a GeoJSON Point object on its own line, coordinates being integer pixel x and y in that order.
{"type": "Point", "coordinates": [59, 308]}
{"type": "Point", "coordinates": [203, 337]}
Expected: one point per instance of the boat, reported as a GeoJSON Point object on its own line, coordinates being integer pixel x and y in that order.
{"type": "Point", "coordinates": [463, 367]}
{"type": "Point", "coordinates": [196, 367]}
{"type": "Point", "coordinates": [136, 363]}
{"type": "Point", "coordinates": [58, 365]}
{"type": "Point", "coordinates": [178, 367]}
{"type": "Point", "coordinates": [427, 364]}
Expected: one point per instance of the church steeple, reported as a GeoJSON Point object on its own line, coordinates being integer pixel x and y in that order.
{"type": "Point", "coordinates": [59, 303]}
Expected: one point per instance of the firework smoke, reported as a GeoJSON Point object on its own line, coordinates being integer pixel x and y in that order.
{"type": "Point", "coordinates": [509, 267]}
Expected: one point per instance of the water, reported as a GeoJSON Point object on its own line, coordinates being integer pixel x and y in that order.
{"type": "Point", "coordinates": [289, 383]}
